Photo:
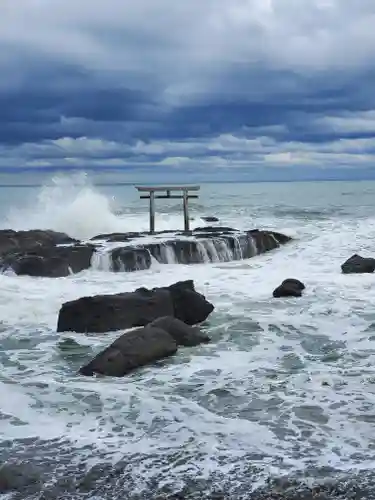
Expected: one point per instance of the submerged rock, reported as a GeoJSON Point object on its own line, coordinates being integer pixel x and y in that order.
{"type": "Point", "coordinates": [132, 350]}
{"type": "Point", "coordinates": [358, 264]}
{"type": "Point", "coordinates": [290, 287]}
{"type": "Point", "coordinates": [104, 313]}
{"type": "Point", "coordinates": [210, 218]}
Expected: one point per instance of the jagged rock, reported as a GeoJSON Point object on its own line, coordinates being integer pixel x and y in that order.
{"type": "Point", "coordinates": [132, 350]}
{"type": "Point", "coordinates": [189, 306]}
{"type": "Point", "coordinates": [22, 241]}
{"type": "Point", "coordinates": [290, 287]}
{"type": "Point", "coordinates": [104, 313]}
{"type": "Point", "coordinates": [182, 333]}
{"type": "Point", "coordinates": [130, 259]}
{"type": "Point", "coordinates": [50, 261]}
{"type": "Point", "coordinates": [358, 264]}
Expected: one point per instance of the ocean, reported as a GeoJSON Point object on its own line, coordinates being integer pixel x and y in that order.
{"type": "Point", "coordinates": [285, 390]}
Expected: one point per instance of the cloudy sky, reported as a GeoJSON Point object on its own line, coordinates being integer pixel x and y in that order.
{"type": "Point", "coordinates": [225, 87]}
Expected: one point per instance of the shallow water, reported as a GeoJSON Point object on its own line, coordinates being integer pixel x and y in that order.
{"type": "Point", "coordinates": [285, 387]}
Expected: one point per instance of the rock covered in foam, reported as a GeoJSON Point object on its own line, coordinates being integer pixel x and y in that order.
{"type": "Point", "coordinates": [104, 313]}
{"type": "Point", "coordinates": [357, 264]}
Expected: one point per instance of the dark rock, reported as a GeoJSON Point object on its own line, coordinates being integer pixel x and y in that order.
{"type": "Point", "coordinates": [290, 287]}
{"type": "Point", "coordinates": [214, 229]}
{"type": "Point", "coordinates": [21, 241]}
{"type": "Point", "coordinates": [132, 350]}
{"type": "Point", "coordinates": [189, 306]}
{"type": "Point", "coordinates": [47, 253]}
{"type": "Point", "coordinates": [130, 259]}
{"type": "Point", "coordinates": [266, 241]}
{"type": "Point", "coordinates": [182, 333]}
{"type": "Point", "coordinates": [105, 313]}
{"type": "Point", "coordinates": [113, 237]}
{"type": "Point", "coordinates": [358, 264]}
{"type": "Point", "coordinates": [50, 261]}
{"type": "Point", "coordinates": [210, 218]}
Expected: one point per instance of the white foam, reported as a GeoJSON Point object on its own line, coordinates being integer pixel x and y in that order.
{"type": "Point", "coordinates": [72, 204]}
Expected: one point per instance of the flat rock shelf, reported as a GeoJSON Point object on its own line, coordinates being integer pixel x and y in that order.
{"type": "Point", "coordinates": [53, 254]}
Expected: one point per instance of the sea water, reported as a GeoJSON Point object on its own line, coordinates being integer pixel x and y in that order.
{"type": "Point", "coordinates": [286, 387]}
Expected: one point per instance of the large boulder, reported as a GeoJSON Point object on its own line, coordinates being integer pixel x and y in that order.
{"type": "Point", "coordinates": [358, 264]}
{"type": "Point", "coordinates": [290, 287]}
{"type": "Point", "coordinates": [182, 333]}
{"type": "Point", "coordinates": [104, 313]}
{"type": "Point", "coordinates": [132, 350]}
{"type": "Point", "coordinates": [189, 306]}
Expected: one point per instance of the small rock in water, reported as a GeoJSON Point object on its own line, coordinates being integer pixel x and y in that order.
{"type": "Point", "coordinates": [290, 287]}
{"type": "Point", "coordinates": [358, 264]}
{"type": "Point", "coordinates": [210, 218]}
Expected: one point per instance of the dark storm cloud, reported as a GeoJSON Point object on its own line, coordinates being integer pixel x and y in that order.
{"type": "Point", "coordinates": [212, 84]}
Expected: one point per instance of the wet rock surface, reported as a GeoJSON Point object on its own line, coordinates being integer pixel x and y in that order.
{"type": "Point", "coordinates": [183, 334]}
{"type": "Point", "coordinates": [357, 264]}
{"type": "Point", "coordinates": [290, 287]}
{"type": "Point", "coordinates": [50, 261]}
{"type": "Point", "coordinates": [104, 313]}
{"type": "Point", "coordinates": [132, 350]}
{"type": "Point", "coordinates": [54, 254]}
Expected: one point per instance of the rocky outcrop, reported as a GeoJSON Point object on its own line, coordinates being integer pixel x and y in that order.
{"type": "Point", "coordinates": [205, 244]}
{"type": "Point", "coordinates": [23, 241]}
{"type": "Point", "coordinates": [49, 260]}
{"type": "Point", "coordinates": [104, 313]}
{"type": "Point", "coordinates": [132, 350]}
{"type": "Point", "coordinates": [290, 287]}
{"type": "Point", "coordinates": [53, 254]}
{"type": "Point", "coordinates": [357, 264]}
